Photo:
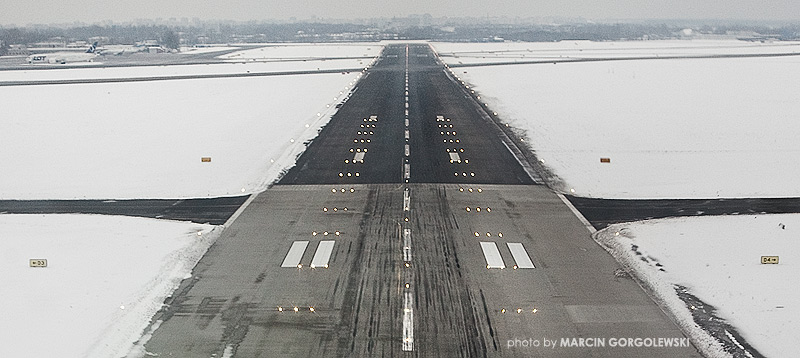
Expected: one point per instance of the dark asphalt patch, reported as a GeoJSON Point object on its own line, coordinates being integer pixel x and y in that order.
{"type": "Point", "coordinates": [214, 211]}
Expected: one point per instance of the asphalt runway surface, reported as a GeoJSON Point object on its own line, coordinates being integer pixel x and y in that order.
{"type": "Point", "coordinates": [400, 250]}
{"type": "Point", "coordinates": [374, 121]}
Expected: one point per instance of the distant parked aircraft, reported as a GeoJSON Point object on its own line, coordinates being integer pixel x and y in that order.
{"type": "Point", "coordinates": [117, 50]}
{"type": "Point", "coordinates": [65, 56]}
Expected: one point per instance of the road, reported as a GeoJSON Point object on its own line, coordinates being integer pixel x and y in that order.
{"type": "Point", "coordinates": [388, 240]}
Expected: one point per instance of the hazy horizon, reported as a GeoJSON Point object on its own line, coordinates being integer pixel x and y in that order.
{"type": "Point", "coordinates": [23, 12]}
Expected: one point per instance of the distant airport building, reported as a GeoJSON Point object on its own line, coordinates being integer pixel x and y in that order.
{"type": "Point", "coordinates": [18, 50]}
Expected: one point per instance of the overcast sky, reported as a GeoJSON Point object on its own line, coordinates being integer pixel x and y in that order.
{"type": "Point", "coordinates": [21, 12]}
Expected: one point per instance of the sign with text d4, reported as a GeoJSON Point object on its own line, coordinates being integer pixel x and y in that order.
{"type": "Point", "coordinates": [769, 259]}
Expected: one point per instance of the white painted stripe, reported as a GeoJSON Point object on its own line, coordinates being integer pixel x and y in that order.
{"type": "Point", "coordinates": [239, 211]}
{"type": "Point", "coordinates": [408, 322]}
{"type": "Point", "coordinates": [520, 255]}
{"type": "Point", "coordinates": [492, 255]}
{"type": "Point", "coordinates": [406, 112]}
{"type": "Point", "coordinates": [407, 245]}
{"type": "Point", "coordinates": [408, 150]}
{"type": "Point", "coordinates": [455, 158]}
{"type": "Point", "coordinates": [577, 213]}
{"type": "Point", "coordinates": [407, 171]}
{"type": "Point", "coordinates": [295, 254]}
{"type": "Point", "coordinates": [323, 254]}
{"type": "Point", "coordinates": [407, 200]}
{"type": "Point", "coordinates": [359, 157]}
{"type": "Point", "coordinates": [406, 122]}
{"type": "Point", "coordinates": [407, 134]}
{"type": "Point", "coordinates": [406, 104]}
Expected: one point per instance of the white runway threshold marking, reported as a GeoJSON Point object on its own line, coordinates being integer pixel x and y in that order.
{"type": "Point", "coordinates": [323, 254]}
{"type": "Point", "coordinates": [295, 254]}
{"type": "Point", "coordinates": [408, 322]}
{"type": "Point", "coordinates": [492, 255]}
{"type": "Point", "coordinates": [520, 255]}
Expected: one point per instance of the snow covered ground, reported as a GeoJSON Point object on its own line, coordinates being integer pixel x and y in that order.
{"type": "Point", "coordinates": [105, 278]}
{"type": "Point", "coordinates": [307, 52]}
{"type": "Point", "coordinates": [718, 260]}
{"type": "Point", "coordinates": [466, 53]}
{"type": "Point", "coordinates": [146, 139]}
{"type": "Point", "coordinates": [661, 122]}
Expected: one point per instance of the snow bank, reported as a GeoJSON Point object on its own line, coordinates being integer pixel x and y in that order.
{"type": "Point", "coordinates": [684, 128]}
{"type": "Point", "coordinates": [718, 260]}
{"type": "Point", "coordinates": [105, 278]}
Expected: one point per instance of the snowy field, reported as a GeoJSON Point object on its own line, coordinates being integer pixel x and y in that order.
{"type": "Point", "coordinates": [661, 122]}
{"type": "Point", "coordinates": [146, 139]}
{"type": "Point", "coordinates": [307, 52]}
{"type": "Point", "coordinates": [466, 53]}
{"type": "Point", "coordinates": [718, 260]}
{"type": "Point", "coordinates": [108, 275]}
{"type": "Point", "coordinates": [105, 278]}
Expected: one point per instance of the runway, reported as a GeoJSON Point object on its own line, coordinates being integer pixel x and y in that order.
{"type": "Point", "coordinates": [408, 228]}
